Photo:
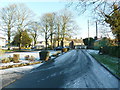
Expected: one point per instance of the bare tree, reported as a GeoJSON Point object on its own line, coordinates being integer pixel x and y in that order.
{"type": "Point", "coordinates": [96, 9]}
{"type": "Point", "coordinates": [67, 25]}
{"type": "Point", "coordinates": [8, 20]}
{"type": "Point", "coordinates": [61, 25]}
{"type": "Point", "coordinates": [48, 23]}
{"type": "Point", "coordinates": [34, 30]}
{"type": "Point", "coordinates": [57, 28]}
{"type": "Point", "coordinates": [24, 16]}
{"type": "Point", "coordinates": [51, 19]}
{"type": "Point", "coordinates": [45, 27]}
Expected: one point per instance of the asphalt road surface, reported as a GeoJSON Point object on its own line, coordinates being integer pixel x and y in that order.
{"type": "Point", "coordinates": [74, 69]}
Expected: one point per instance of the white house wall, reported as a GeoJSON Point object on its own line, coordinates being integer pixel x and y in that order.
{"type": "Point", "coordinates": [2, 42]}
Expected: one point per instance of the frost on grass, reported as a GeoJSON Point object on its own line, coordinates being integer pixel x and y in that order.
{"type": "Point", "coordinates": [93, 51]}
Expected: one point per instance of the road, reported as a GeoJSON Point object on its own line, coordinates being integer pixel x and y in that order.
{"type": "Point", "coordinates": [74, 69]}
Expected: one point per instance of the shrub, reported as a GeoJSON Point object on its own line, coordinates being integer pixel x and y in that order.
{"type": "Point", "coordinates": [31, 58]}
{"type": "Point", "coordinates": [5, 60]}
{"type": "Point", "coordinates": [16, 58]}
{"type": "Point", "coordinates": [111, 50]}
{"type": "Point", "coordinates": [64, 50]}
{"type": "Point", "coordinates": [27, 57]}
{"type": "Point", "coordinates": [11, 59]}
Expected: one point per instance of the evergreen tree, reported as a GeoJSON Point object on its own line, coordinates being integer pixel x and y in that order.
{"type": "Point", "coordinates": [89, 42]}
{"type": "Point", "coordinates": [114, 21]}
{"type": "Point", "coordinates": [25, 41]}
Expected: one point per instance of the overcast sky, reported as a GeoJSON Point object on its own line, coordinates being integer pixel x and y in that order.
{"type": "Point", "coordinates": [39, 7]}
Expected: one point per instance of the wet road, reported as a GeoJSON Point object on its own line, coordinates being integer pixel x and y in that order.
{"type": "Point", "coordinates": [75, 69]}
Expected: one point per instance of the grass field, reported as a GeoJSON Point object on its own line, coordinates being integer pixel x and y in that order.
{"type": "Point", "coordinates": [112, 63]}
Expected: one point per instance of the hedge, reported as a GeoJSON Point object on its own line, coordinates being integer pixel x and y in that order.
{"type": "Point", "coordinates": [111, 50]}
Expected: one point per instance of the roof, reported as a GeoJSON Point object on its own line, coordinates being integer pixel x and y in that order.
{"type": "Point", "coordinates": [78, 40]}
{"type": "Point", "coordinates": [74, 40]}
{"type": "Point", "coordinates": [68, 39]}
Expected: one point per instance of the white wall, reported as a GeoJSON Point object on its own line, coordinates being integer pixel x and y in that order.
{"type": "Point", "coordinates": [2, 42]}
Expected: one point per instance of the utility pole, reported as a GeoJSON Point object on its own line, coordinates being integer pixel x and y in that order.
{"type": "Point", "coordinates": [96, 30]}
{"type": "Point", "coordinates": [88, 33]}
{"type": "Point", "coordinates": [88, 28]}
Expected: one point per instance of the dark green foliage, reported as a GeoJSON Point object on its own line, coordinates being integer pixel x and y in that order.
{"type": "Point", "coordinates": [112, 63]}
{"type": "Point", "coordinates": [114, 21]}
{"type": "Point", "coordinates": [112, 51]}
{"type": "Point", "coordinates": [89, 42]}
{"type": "Point", "coordinates": [25, 41]}
{"type": "Point", "coordinates": [103, 43]}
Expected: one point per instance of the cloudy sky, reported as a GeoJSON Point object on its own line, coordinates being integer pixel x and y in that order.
{"type": "Point", "coordinates": [40, 7]}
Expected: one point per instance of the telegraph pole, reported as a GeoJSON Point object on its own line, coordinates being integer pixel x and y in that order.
{"type": "Point", "coordinates": [88, 28]}
{"type": "Point", "coordinates": [96, 30]}
{"type": "Point", "coordinates": [88, 32]}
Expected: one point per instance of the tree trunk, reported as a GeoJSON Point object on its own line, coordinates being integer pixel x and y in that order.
{"type": "Point", "coordinates": [35, 42]}
{"type": "Point", "coordinates": [118, 37]}
{"type": "Point", "coordinates": [63, 32]}
{"type": "Point", "coordinates": [35, 38]}
{"type": "Point", "coordinates": [20, 38]}
{"type": "Point", "coordinates": [46, 42]}
{"type": "Point", "coordinates": [58, 34]}
{"type": "Point", "coordinates": [62, 42]}
{"type": "Point", "coordinates": [51, 36]}
{"type": "Point", "coordinates": [8, 38]}
{"type": "Point", "coordinates": [51, 40]}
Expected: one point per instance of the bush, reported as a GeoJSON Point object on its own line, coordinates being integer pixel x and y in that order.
{"type": "Point", "coordinates": [64, 50]}
{"type": "Point", "coordinates": [19, 65]}
{"type": "Point", "coordinates": [111, 50]}
{"type": "Point", "coordinates": [31, 58]}
{"type": "Point", "coordinates": [11, 59]}
{"type": "Point", "coordinates": [5, 60]}
{"type": "Point", "coordinates": [16, 58]}
{"type": "Point", "coordinates": [102, 43]}
{"type": "Point", "coordinates": [27, 57]}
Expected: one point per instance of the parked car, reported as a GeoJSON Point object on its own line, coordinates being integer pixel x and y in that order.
{"type": "Point", "coordinates": [58, 48]}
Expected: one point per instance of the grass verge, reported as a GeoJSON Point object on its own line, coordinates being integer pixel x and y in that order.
{"type": "Point", "coordinates": [111, 63]}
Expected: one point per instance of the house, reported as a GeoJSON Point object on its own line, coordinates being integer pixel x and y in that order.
{"type": "Point", "coordinates": [69, 41]}
{"type": "Point", "coordinates": [40, 44]}
{"type": "Point", "coordinates": [66, 41]}
{"type": "Point", "coordinates": [2, 41]}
